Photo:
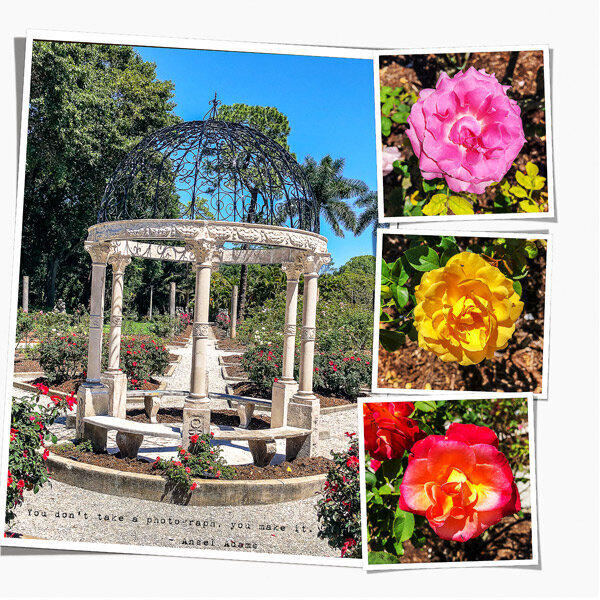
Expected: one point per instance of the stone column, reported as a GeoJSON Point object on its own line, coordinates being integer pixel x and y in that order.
{"type": "Point", "coordinates": [92, 396]}
{"type": "Point", "coordinates": [233, 312]}
{"type": "Point", "coordinates": [25, 295]}
{"type": "Point", "coordinates": [172, 300]}
{"type": "Point", "coordinates": [286, 386]}
{"type": "Point", "coordinates": [304, 408]}
{"type": "Point", "coordinates": [150, 307]}
{"type": "Point", "coordinates": [196, 409]}
{"type": "Point", "coordinates": [114, 378]}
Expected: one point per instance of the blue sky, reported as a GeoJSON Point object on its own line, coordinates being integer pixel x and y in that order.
{"type": "Point", "coordinates": [328, 101]}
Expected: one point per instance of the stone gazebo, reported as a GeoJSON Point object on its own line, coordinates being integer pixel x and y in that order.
{"type": "Point", "coordinates": [156, 206]}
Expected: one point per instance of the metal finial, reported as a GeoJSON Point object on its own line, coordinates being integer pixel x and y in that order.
{"type": "Point", "coordinates": [214, 106]}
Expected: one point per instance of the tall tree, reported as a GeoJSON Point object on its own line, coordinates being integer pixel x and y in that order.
{"type": "Point", "coordinates": [89, 105]}
{"type": "Point", "coordinates": [334, 192]}
{"type": "Point", "coordinates": [369, 215]}
{"type": "Point", "coordinates": [273, 124]}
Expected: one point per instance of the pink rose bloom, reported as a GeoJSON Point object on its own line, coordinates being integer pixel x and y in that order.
{"type": "Point", "coordinates": [388, 156]}
{"type": "Point", "coordinates": [466, 130]}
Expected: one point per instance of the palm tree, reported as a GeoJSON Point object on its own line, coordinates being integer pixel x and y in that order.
{"type": "Point", "coordinates": [334, 192]}
{"type": "Point", "coordinates": [369, 216]}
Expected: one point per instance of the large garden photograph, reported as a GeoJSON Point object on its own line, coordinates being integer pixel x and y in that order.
{"type": "Point", "coordinates": [196, 289]}
{"type": "Point", "coordinates": [464, 133]}
{"type": "Point", "coordinates": [448, 481]}
{"type": "Point", "coordinates": [462, 313]}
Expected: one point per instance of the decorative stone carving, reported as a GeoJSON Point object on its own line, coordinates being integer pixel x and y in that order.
{"type": "Point", "coordinates": [206, 252]}
{"type": "Point", "coordinates": [312, 263]}
{"type": "Point", "coordinates": [289, 329]}
{"type": "Point", "coordinates": [309, 333]}
{"type": "Point", "coordinates": [116, 321]}
{"type": "Point", "coordinates": [200, 330]}
{"type": "Point", "coordinates": [96, 322]}
{"type": "Point", "coordinates": [119, 263]}
{"type": "Point", "coordinates": [98, 251]}
{"type": "Point", "coordinates": [293, 270]}
{"type": "Point", "coordinates": [217, 231]}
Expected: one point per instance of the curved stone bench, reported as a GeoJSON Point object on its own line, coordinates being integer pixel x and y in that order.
{"type": "Point", "coordinates": [245, 406]}
{"type": "Point", "coordinates": [130, 434]}
{"type": "Point", "coordinates": [152, 399]}
{"type": "Point", "coordinates": [262, 442]}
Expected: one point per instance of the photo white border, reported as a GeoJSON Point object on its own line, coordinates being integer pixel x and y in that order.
{"type": "Point", "coordinates": [156, 42]}
{"type": "Point", "coordinates": [543, 235]}
{"type": "Point", "coordinates": [550, 214]}
{"type": "Point", "coordinates": [534, 560]}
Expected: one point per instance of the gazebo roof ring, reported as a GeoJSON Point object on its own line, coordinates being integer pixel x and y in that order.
{"type": "Point", "coordinates": [210, 169]}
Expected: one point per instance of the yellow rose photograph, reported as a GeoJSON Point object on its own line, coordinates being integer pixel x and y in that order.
{"type": "Point", "coordinates": [461, 313]}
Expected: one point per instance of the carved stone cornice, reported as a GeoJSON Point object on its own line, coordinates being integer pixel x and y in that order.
{"type": "Point", "coordinates": [216, 231]}
{"type": "Point", "coordinates": [293, 270]}
{"type": "Point", "coordinates": [99, 251]}
{"type": "Point", "coordinates": [206, 252]}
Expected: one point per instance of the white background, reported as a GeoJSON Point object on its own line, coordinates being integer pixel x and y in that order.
{"type": "Point", "coordinates": [567, 423]}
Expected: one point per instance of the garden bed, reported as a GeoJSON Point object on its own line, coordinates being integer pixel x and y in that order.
{"type": "Point", "coordinates": [301, 467]}
{"type": "Point", "coordinates": [221, 417]}
{"type": "Point", "coordinates": [252, 390]}
{"type": "Point", "coordinates": [25, 365]}
{"type": "Point", "coordinates": [72, 385]}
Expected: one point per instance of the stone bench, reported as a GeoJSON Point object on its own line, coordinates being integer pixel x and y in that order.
{"type": "Point", "coordinates": [152, 399]}
{"type": "Point", "coordinates": [262, 442]}
{"type": "Point", "coordinates": [130, 434]}
{"type": "Point", "coordinates": [245, 406]}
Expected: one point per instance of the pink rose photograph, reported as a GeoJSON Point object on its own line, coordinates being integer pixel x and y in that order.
{"type": "Point", "coordinates": [463, 134]}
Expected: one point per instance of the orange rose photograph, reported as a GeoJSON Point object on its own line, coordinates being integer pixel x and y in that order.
{"type": "Point", "coordinates": [461, 313]}
{"type": "Point", "coordinates": [448, 481]}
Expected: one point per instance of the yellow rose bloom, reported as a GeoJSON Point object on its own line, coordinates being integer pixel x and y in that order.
{"type": "Point", "coordinates": [466, 310]}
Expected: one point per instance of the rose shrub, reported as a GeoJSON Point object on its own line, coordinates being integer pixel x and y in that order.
{"type": "Point", "coordinates": [466, 130]}
{"type": "Point", "coordinates": [388, 430]}
{"type": "Point", "coordinates": [62, 357]}
{"type": "Point", "coordinates": [338, 511]}
{"type": "Point", "coordinates": [142, 358]}
{"type": "Point", "coordinates": [466, 310]}
{"type": "Point", "coordinates": [460, 482]}
{"type": "Point", "coordinates": [31, 416]}
{"type": "Point", "coordinates": [202, 460]}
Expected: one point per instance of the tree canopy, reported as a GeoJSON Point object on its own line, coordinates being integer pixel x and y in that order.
{"type": "Point", "coordinates": [89, 105]}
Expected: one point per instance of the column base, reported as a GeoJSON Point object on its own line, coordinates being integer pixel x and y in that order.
{"type": "Point", "coordinates": [281, 395]}
{"type": "Point", "coordinates": [116, 382]}
{"type": "Point", "coordinates": [92, 400]}
{"type": "Point", "coordinates": [304, 411]}
{"type": "Point", "coordinates": [196, 420]}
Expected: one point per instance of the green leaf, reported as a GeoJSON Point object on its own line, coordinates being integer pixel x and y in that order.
{"type": "Point", "coordinates": [517, 191]}
{"type": "Point", "coordinates": [370, 478]}
{"type": "Point", "coordinates": [537, 183]}
{"type": "Point", "coordinates": [400, 295]}
{"type": "Point", "coordinates": [523, 180]}
{"type": "Point", "coordinates": [426, 405]}
{"type": "Point", "coordinates": [404, 525]}
{"type": "Point", "coordinates": [399, 117]}
{"type": "Point", "coordinates": [387, 107]}
{"type": "Point", "coordinates": [460, 206]}
{"type": "Point", "coordinates": [422, 258]}
{"type": "Point", "coordinates": [529, 206]}
{"type": "Point", "coordinates": [391, 340]}
{"type": "Point", "coordinates": [386, 126]}
{"type": "Point", "coordinates": [398, 273]}
{"type": "Point", "coordinates": [532, 169]}
{"type": "Point", "coordinates": [382, 558]}
{"type": "Point", "coordinates": [517, 287]}
{"type": "Point", "coordinates": [436, 206]}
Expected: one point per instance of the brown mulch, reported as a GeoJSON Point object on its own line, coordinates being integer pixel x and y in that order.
{"type": "Point", "coordinates": [236, 371]}
{"type": "Point", "coordinates": [221, 417]}
{"type": "Point", "coordinates": [232, 359]}
{"type": "Point", "coordinates": [173, 357]}
{"type": "Point", "coordinates": [230, 344]}
{"type": "Point", "coordinates": [248, 388]}
{"type": "Point", "coordinates": [71, 385]}
{"type": "Point", "coordinates": [24, 365]}
{"type": "Point", "coordinates": [415, 72]}
{"type": "Point", "coordinates": [517, 368]}
{"type": "Point", "coordinates": [300, 467]}
{"type": "Point", "coordinates": [510, 539]}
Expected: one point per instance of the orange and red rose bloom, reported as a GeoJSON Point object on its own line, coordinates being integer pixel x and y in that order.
{"type": "Point", "coordinates": [460, 482]}
{"type": "Point", "coordinates": [388, 429]}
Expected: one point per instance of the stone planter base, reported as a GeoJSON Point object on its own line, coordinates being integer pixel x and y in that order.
{"type": "Point", "coordinates": [158, 489]}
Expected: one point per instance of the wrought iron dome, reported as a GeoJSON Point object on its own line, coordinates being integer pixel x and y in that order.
{"type": "Point", "coordinates": [211, 169]}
